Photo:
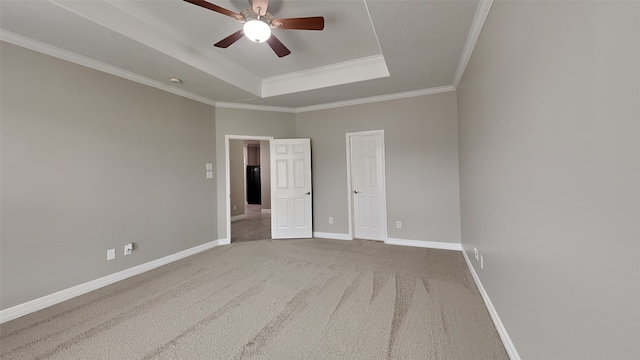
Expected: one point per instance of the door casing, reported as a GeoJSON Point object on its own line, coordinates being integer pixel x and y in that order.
{"type": "Point", "coordinates": [227, 138]}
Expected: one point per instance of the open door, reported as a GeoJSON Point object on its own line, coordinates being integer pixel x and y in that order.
{"type": "Point", "coordinates": [291, 206]}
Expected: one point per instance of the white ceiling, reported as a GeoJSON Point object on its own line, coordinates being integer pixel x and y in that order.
{"type": "Point", "coordinates": [369, 49]}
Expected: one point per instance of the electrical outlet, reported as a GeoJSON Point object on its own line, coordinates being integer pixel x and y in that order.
{"type": "Point", "coordinates": [481, 262]}
{"type": "Point", "coordinates": [399, 224]}
{"type": "Point", "coordinates": [111, 254]}
{"type": "Point", "coordinates": [128, 249]}
{"type": "Point", "coordinates": [330, 220]}
{"type": "Point", "coordinates": [475, 251]}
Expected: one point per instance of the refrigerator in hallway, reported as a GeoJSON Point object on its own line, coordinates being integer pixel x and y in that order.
{"type": "Point", "coordinates": [254, 195]}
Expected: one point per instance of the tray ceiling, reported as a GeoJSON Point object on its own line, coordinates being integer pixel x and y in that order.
{"type": "Point", "coordinates": [368, 48]}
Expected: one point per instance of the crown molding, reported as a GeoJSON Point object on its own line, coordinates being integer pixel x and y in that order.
{"type": "Point", "coordinates": [46, 49]}
{"type": "Point", "coordinates": [366, 68]}
{"type": "Point", "coordinates": [53, 51]}
{"type": "Point", "coordinates": [227, 105]}
{"type": "Point", "coordinates": [373, 99]}
{"type": "Point", "coordinates": [476, 27]}
{"type": "Point", "coordinates": [127, 19]}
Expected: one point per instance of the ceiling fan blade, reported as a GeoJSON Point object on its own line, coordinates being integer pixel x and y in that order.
{"type": "Point", "coordinates": [278, 47]}
{"type": "Point", "coordinates": [259, 6]}
{"type": "Point", "coordinates": [216, 8]}
{"type": "Point", "coordinates": [306, 23]}
{"type": "Point", "coordinates": [229, 40]}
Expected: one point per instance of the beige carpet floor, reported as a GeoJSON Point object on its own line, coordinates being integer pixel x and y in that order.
{"type": "Point", "coordinates": [273, 299]}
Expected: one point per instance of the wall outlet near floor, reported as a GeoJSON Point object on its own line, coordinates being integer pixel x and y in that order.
{"type": "Point", "coordinates": [330, 220]}
{"type": "Point", "coordinates": [399, 224]}
{"type": "Point", "coordinates": [111, 254]}
{"type": "Point", "coordinates": [128, 249]}
{"type": "Point", "coordinates": [475, 251]}
{"type": "Point", "coordinates": [481, 262]}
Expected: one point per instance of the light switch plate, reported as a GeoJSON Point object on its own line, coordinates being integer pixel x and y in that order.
{"type": "Point", "coordinates": [111, 254]}
{"type": "Point", "coordinates": [209, 166]}
{"type": "Point", "coordinates": [209, 174]}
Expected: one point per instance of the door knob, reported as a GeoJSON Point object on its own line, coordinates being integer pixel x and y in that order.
{"type": "Point", "coordinates": [308, 193]}
{"type": "Point", "coordinates": [356, 192]}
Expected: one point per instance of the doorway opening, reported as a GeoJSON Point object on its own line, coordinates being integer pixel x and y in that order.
{"type": "Point", "coordinates": [248, 188]}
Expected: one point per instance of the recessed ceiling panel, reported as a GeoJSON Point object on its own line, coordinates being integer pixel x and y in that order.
{"type": "Point", "coordinates": [367, 49]}
{"type": "Point", "coordinates": [348, 33]}
{"type": "Point", "coordinates": [67, 31]}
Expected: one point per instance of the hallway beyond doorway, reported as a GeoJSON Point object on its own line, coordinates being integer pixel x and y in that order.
{"type": "Point", "coordinates": [255, 226]}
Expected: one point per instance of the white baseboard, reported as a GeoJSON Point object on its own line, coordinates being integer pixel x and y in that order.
{"type": "Point", "coordinates": [265, 211]}
{"type": "Point", "coordinates": [425, 244]}
{"type": "Point", "coordinates": [238, 217]}
{"type": "Point", "coordinates": [502, 331]}
{"type": "Point", "coordinates": [66, 294]}
{"type": "Point", "coordinates": [224, 241]}
{"type": "Point", "coordinates": [334, 236]}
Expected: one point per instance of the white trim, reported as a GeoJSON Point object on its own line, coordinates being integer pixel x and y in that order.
{"type": "Point", "coordinates": [228, 176]}
{"type": "Point", "coordinates": [334, 236]}
{"type": "Point", "coordinates": [265, 211]}
{"type": "Point", "coordinates": [224, 241]}
{"type": "Point", "coordinates": [366, 68]}
{"type": "Point", "coordinates": [132, 21]}
{"type": "Point", "coordinates": [374, 99]}
{"type": "Point", "coordinates": [255, 107]}
{"type": "Point", "coordinates": [97, 65]}
{"type": "Point", "coordinates": [349, 201]}
{"type": "Point", "coordinates": [112, 70]}
{"type": "Point", "coordinates": [373, 27]}
{"type": "Point", "coordinates": [238, 217]}
{"type": "Point", "coordinates": [425, 244]}
{"type": "Point", "coordinates": [28, 307]}
{"type": "Point", "coordinates": [476, 27]}
{"type": "Point", "coordinates": [348, 136]}
{"type": "Point", "coordinates": [502, 331]}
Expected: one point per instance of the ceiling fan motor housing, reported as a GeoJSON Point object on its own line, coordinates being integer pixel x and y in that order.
{"type": "Point", "coordinates": [249, 14]}
{"type": "Point", "coordinates": [257, 16]}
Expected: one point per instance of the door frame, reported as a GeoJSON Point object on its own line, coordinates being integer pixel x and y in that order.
{"type": "Point", "coordinates": [227, 138]}
{"type": "Point", "coordinates": [383, 180]}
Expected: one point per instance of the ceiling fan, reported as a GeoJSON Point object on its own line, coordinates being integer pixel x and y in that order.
{"type": "Point", "coordinates": [258, 23]}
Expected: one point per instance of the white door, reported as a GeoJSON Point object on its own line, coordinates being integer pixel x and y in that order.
{"type": "Point", "coordinates": [291, 211]}
{"type": "Point", "coordinates": [367, 186]}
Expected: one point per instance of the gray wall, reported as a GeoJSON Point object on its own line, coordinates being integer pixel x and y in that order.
{"type": "Point", "coordinates": [421, 151]}
{"type": "Point", "coordinates": [265, 174]}
{"type": "Point", "coordinates": [550, 171]}
{"type": "Point", "coordinates": [253, 154]}
{"type": "Point", "coordinates": [91, 162]}
{"type": "Point", "coordinates": [248, 123]}
{"type": "Point", "coordinates": [236, 176]}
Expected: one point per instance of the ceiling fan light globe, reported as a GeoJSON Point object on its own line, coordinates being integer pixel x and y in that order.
{"type": "Point", "coordinates": [257, 31]}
